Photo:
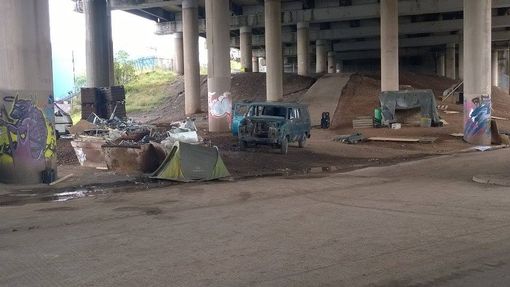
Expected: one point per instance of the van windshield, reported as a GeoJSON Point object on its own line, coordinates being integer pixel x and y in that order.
{"type": "Point", "coordinates": [273, 111]}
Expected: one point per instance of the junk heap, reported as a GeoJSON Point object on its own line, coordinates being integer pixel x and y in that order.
{"type": "Point", "coordinates": [126, 145]}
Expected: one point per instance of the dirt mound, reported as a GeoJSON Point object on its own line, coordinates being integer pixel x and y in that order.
{"type": "Point", "coordinates": [361, 94]}
{"type": "Point", "coordinates": [252, 86]}
{"type": "Point", "coordinates": [500, 102]}
{"type": "Point", "coordinates": [359, 98]}
{"type": "Point", "coordinates": [244, 87]}
{"type": "Point", "coordinates": [65, 153]}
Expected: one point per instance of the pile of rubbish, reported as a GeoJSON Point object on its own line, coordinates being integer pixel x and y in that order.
{"type": "Point", "coordinates": [130, 133]}
{"type": "Point", "coordinates": [351, 139]}
{"type": "Point", "coordinates": [127, 145]}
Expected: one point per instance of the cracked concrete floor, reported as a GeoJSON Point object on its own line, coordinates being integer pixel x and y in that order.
{"type": "Point", "coordinates": [422, 223]}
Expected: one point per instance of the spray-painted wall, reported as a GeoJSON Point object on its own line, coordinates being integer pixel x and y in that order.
{"type": "Point", "coordinates": [27, 135]}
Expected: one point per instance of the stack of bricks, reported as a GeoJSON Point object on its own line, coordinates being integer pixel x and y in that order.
{"type": "Point", "coordinates": [102, 102]}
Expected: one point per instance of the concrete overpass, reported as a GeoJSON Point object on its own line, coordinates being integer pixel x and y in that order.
{"type": "Point", "coordinates": [333, 30]}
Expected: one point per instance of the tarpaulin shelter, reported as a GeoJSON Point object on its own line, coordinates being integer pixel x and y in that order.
{"type": "Point", "coordinates": [409, 99]}
{"type": "Point", "coordinates": [187, 162]}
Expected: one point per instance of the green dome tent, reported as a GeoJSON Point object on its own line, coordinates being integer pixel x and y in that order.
{"type": "Point", "coordinates": [187, 162]}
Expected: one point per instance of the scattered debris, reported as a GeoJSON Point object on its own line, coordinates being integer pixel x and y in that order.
{"type": "Point", "coordinates": [185, 131]}
{"type": "Point", "coordinates": [499, 118]}
{"type": "Point", "coordinates": [410, 140]}
{"type": "Point", "coordinates": [482, 148]}
{"type": "Point", "coordinates": [127, 145]}
{"type": "Point", "coordinates": [89, 152]}
{"type": "Point", "coordinates": [81, 126]}
{"type": "Point", "coordinates": [396, 126]}
{"type": "Point", "coordinates": [351, 139]}
{"type": "Point", "coordinates": [459, 135]}
{"type": "Point", "coordinates": [451, 112]}
{"type": "Point", "coordinates": [62, 179]}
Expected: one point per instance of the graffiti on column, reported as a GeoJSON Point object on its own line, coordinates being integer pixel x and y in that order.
{"type": "Point", "coordinates": [220, 107]}
{"type": "Point", "coordinates": [477, 122]}
{"type": "Point", "coordinates": [26, 134]}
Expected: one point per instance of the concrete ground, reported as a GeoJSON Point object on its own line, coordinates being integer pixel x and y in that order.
{"type": "Point", "coordinates": [423, 223]}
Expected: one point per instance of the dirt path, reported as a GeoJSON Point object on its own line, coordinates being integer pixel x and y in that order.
{"type": "Point", "coordinates": [324, 95]}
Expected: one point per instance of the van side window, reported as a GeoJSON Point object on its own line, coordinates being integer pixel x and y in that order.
{"type": "Point", "coordinates": [293, 114]}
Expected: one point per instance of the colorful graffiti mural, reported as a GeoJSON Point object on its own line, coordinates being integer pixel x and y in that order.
{"type": "Point", "coordinates": [477, 123]}
{"type": "Point", "coordinates": [220, 107]}
{"type": "Point", "coordinates": [27, 135]}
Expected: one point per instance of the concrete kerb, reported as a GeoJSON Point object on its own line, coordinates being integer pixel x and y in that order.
{"type": "Point", "coordinates": [492, 179]}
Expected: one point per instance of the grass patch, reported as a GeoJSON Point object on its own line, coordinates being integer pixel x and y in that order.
{"type": "Point", "coordinates": [147, 90]}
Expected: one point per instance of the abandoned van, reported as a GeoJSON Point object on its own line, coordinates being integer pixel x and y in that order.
{"type": "Point", "coordinates": [275, 124]}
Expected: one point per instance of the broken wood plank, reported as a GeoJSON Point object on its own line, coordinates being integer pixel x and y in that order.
{"type": "Point", "coordinates": [408, 140]}
{"type": "Point", "coordinates": [385, 139]}
{"type": "Point", "coordinates": [451, 112]}
{"type": "Point", "coordinates": [459, 135]}
{"type": "Point", "coordinates": [499, 118]}
{"type": "Point", "coordinates": [62, 179]}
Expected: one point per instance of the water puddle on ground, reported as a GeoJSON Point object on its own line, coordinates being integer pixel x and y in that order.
{"type": "Point", "coordinates": [13, 199]}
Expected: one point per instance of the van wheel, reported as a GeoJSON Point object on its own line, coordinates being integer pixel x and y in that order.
{"type": "Point", "coordinates": [302, 141]}
{"type": "Point", "coordinates": [57, 135]}
{"type": "Point", "coordinates": [284, 147]}
{"type": "Point", "coordinates": [243, 145]}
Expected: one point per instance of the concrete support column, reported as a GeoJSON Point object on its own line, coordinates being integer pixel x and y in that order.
{"type": "Point", "coordinates": [218, 68]}
{"type": "Point", "coordinates": [331, 62]}
{"type": "Point", "coordinates": [506, 68]}
{"type": "Point", "coordinates": [477, 72]}
{"type": "Point", "coordinates": [255, 64]}
{"type": "Point", "coordinates": [494, 68]}
{"type": "Point", "coordinates": [191, 59]}
{"type": "Point", "coordinates": [440, 65]}
{"type": "Point", "coordinates": [274, 57]}
{"type": "Point", "coordinates": [389, 45]}
{"type": "Point", "coordinates": [27, 136]}
{"type": "Point", "coordinates": [246, 49]}
{"type": "Point", "coordinates": [179, 53]}
{"type": "Point", "coordinates": [99, 47]}
{"type": "Point", "coordinates": [461, 60]}
{"type": "Point", "coordinates": [303, 46]}
{"type": "Point", "coordinates": [450, 61]}
{"type": "Point", "coordinates": [321, 57]}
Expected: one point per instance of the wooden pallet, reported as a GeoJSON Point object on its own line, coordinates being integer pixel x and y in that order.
{"type": "Point", "coordinates": [363, 122]}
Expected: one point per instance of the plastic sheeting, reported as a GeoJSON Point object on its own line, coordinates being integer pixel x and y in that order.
{"type": "Point", "coordinates": [409, 99]}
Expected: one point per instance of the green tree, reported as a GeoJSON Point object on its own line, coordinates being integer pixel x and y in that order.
{"type": "Point", "coordinates": [80, 81]}
{"type": "Point", "coordinates": [124, 69]}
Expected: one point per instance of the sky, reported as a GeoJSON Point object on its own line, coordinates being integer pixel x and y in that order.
{"type": "Point", "coordinates": [130, 33]}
